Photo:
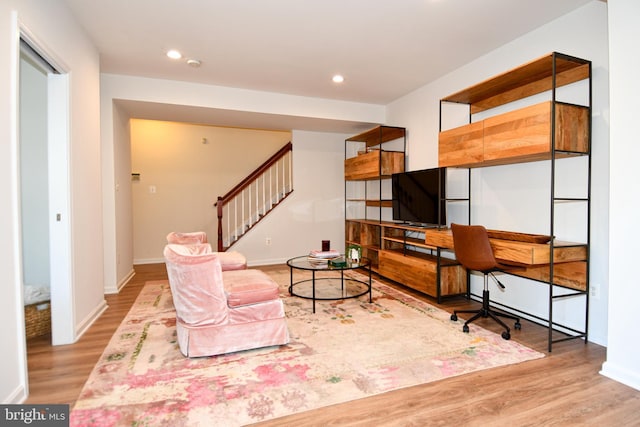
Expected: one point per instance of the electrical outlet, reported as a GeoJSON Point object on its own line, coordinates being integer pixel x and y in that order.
{"type": "Point", "coordinates": [267, 241]}
{"type": "Point", "coordinates": [594, 291]}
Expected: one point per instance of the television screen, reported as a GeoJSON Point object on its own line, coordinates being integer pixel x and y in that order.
{"type": "Point", "coordinates": [418, 197]}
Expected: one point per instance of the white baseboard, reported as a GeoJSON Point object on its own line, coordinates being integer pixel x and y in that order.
{"type": "Point", "coordinates": [148, 261]}
{"type": "Point", "coordinates": [90, 319]}
{"type": "Point", "coordinates": [124, 281]}
{"type": "Point", "coordinates": [116, 289]}
{"type": "Point", "coordinates": [621, 374]}
{"type": "Point", "coordinates": [18, 396]}
{"type": "Point", "coordinates": [260, 262]}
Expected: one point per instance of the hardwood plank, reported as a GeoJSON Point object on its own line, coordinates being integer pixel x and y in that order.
{"type": "Point", "coordinates": [523, 81]}
{"type": "Point", "coordinates": [57, 374]}
{"type": "Point", "coordinates": [379, 134]}
{"type": "Point", "coordinates": [563, 388]}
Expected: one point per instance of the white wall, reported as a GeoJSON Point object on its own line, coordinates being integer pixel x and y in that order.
{"type": "Point", "coordinates": [315, 210]}
{"type": "Point", "coordinates": [187, 176]}
{"type": "Point", "coordinates": [51, 24]}
{"type": "Point", "coordinates": [624, 292]}
{"type": "Point", "coordinates": [114, 134]}
{"type": "Point", "coordinates": [12, 363]}
{"type": "Point", "coordinates": [517, 197]}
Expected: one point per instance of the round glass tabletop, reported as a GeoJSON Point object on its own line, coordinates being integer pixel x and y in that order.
{"type": "Point", "coordinates": [309, 263]}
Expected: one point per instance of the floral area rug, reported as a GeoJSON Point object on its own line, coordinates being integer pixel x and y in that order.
{"type": "Point", "coordinates": [347, 350]}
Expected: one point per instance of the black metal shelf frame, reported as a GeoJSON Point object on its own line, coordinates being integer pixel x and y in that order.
{"type": "Point", "coordinates": [380, 179]}
{"type": "Point", "coordinates": [570, 333]}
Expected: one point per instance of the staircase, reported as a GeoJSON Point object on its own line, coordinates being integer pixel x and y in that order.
{"type": "Point", "coordinates": [254, 197]}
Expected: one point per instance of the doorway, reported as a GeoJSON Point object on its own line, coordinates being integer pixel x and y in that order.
{"type": "Point", "coordinates": [44, 187]}
{"type": "Point", "coordinates": [34, 189]}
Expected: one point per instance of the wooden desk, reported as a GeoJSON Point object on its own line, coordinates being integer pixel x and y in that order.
{"type": "Point", "coordinates": [569, 259]}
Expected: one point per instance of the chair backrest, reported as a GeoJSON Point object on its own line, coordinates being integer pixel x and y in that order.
{"type": "Point", "coordinates": [195, 248]}
{"type": "Point", "coordinates": [195, 278]}
{"type": "Point", "coordinates": [187, 238]}
{"type": "Point", "coordinates": [472, 247]}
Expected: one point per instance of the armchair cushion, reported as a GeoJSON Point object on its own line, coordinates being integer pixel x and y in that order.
{"type": "Point", "coordinates": [248, 287]}
{"type": "Point", "coordinates": [232, 260]}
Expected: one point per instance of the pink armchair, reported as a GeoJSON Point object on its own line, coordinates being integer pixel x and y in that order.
{"type": "Point", "coordinates": [231, 260]}
{"type": "Point", "coordinates": [222, 312]}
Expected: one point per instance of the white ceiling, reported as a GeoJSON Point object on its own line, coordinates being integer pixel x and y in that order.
{"type": "Point", "coordinates": [385, 49]}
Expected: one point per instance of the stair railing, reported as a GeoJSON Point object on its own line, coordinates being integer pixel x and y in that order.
{"type": "Point", "coordinates": [255, 196]}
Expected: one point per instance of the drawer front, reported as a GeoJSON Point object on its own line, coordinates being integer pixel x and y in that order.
{"type": "Point", "coordinates": [518, 134]}
{"type": "Point", "coordinates": [373, 165]}
{"type": "Point", "coordinates": [461, 146]}
{"type": "Point", "coordinates": [363, 166]}
{"type": "Point", "coordinates": [413, 272]}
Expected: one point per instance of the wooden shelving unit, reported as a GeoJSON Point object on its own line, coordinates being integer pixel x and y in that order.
{"type": "Point", "coordinates": [396, 251]}
{"type": "Point", "coordinates": [370, 159]}
{"type": "Point", "coordinates": [549, 130]}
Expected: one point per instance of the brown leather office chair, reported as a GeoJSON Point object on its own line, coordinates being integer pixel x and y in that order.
{"type": "Point", "coordinates": [473, 250]}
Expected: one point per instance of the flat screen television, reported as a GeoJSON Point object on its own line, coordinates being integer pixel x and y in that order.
{"type": "Point", "coordinates": [418, 197]}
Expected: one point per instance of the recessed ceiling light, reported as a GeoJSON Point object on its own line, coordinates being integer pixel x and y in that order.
{"type": "Point", "coordinates": [195, 63]}
{"type": "Point", "coordinates": [338, 78]}
{"type": "Point", "coordinates": [174, 54]}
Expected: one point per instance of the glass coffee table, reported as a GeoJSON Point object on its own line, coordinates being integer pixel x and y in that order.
{"type": "Point", "coordinates": [328, 282]}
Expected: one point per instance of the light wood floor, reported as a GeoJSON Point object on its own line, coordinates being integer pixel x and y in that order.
{"type": "Point", "coordinates": [563, 388]}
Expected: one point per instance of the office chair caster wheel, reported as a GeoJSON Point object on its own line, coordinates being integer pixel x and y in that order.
{"type": "Point", "coordinates": [506, 335]}
{"type": "Point", "coordinates": [465, 329]}
{"type": "Point", "coordinates": [518, 326]}
{"type": "Point", "coordinates": [454, 317]}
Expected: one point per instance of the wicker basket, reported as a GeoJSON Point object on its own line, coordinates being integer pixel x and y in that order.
{"type": "Point", "coordinates": [37, 319]}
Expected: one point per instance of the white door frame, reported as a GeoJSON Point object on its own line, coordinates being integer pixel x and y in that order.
{"type": "Point", "coordinates": [60, 248]}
